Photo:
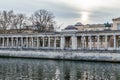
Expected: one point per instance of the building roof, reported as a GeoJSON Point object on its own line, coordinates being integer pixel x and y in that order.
{"type": "Point", "coordinates": [70, 27]}
{"type": "Point", "coordinates": [95, 25]}
{"type": "Point", "coordinates": [78, 24]}
{"type": "Point", "coordinates": [116, 19]}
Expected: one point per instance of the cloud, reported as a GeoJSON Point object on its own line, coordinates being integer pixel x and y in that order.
{"type": "Point", "coordinates": [68, 11]}
{"type": "Point", "coordinates": [61, 10]}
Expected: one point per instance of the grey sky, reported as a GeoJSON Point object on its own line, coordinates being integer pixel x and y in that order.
{"type": "Point", "coordinates": [68, 11]}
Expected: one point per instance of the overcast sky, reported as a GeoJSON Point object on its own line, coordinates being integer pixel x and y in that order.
{"type": "Point", "coordinates": [68, 12]}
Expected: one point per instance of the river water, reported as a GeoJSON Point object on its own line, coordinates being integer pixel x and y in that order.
{"type": "Point", "coordinates": [37, 69]}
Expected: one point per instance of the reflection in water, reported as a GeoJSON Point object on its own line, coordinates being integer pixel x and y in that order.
{"type": "Point", "coordinates": [33, 69]}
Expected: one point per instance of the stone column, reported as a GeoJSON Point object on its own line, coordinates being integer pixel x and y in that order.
{"type": "Point", "coordinates": [114, 41]}
{"type": "Point", "coordinates": [3, 40]}
{"type": "Point", "coordinates": [83, 42]}
{"type": "Point", "coordinates": [62, 42]}
{"type": "Point", "coordinates": [87, 41]}
{"type": "Point", "coordinates": [7, 41]}
{"type": "Point", "coordinates": [106, 41]}
{"type": "Point", "coordinates": [43, 42]}
{"type": "Point", "coordinates": [21, 41]}
{"type": "Point", "coordinates": [26, 42]}
{"type": "Point", "coordinates": [16, 41]}
{"type": "Point", "coordinates": [0, 41]}
{"type": "Point", "coordinates": [49, 42]}
{"type": "Point", "coordinates": [54, 42]}
{"type": "Point", "coordinates": [32, 42]}
{"type": "Point", "coordinates": [12, 41]}
{"type": "Point", "coordinates": [74, 42]}
{"type": "Point", "coordinates": [98, 42]}
{"type": "Point", "coordinates": [90, 42]}
{"type": "Point", "coordinates": [38, 42]}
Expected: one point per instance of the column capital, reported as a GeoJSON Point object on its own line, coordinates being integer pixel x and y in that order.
{"type": "Point", "coordinates": [16, 37]}
{"type": "Point", "coordinates": [98, 35]}
{"type": "Point", "coordinates": [74, 35]}
{"type": "Point", "coordinates": [83, 35]}
{"type": "Point", "coordinates": [62, 36]}
{"type": "Point", "coordinates": [90, 35]}
{"type": "Point", "coordinates": [106, 35]}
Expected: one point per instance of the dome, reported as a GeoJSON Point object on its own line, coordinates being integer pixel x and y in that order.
{"type": "Point", "coordinates": [70, 27]}
{"type": "Point", "coordinates": [78, 24]}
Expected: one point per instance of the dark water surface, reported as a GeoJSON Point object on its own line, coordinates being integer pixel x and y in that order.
{"type": "Point", "coordinates": [36, 69]}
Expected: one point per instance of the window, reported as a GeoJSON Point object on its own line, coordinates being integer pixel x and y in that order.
{"type": "Point", "coordinates": [118, 26]}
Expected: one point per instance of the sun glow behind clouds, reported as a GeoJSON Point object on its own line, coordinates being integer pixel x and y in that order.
{"type": "Point", "coordinates": [86, 8]}
{"type": "Point", "coordinates": [84, 17]}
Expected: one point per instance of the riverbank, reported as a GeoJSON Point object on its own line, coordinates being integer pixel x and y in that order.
{"type": "Point", "coordinates": [62, 55]}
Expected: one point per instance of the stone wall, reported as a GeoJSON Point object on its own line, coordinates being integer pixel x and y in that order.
{"type": "Point", "coordinates": [63, 55]}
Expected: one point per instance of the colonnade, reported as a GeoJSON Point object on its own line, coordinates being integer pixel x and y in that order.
{"type": "Point", "coordinates": [93, 42]}
{"type": "Point", "coordinates": [30, 42]}
{"type": "Point", "coordinates": [73, 42]}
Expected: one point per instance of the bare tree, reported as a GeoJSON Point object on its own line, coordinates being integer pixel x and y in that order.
{"type": "Point", "coordinates": [43, 20]}
{"type": "Point", "coordinates": [18, 22]}
{"type": "Point", "coordinates": [5, 20]}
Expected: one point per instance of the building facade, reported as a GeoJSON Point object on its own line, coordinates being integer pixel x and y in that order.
{"type": "Point", "coordinates": [74, 40]}
{"type": "Point", "coordinates": [70, 38]}
{"type": "Point", "coordinates": [99, 27]}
